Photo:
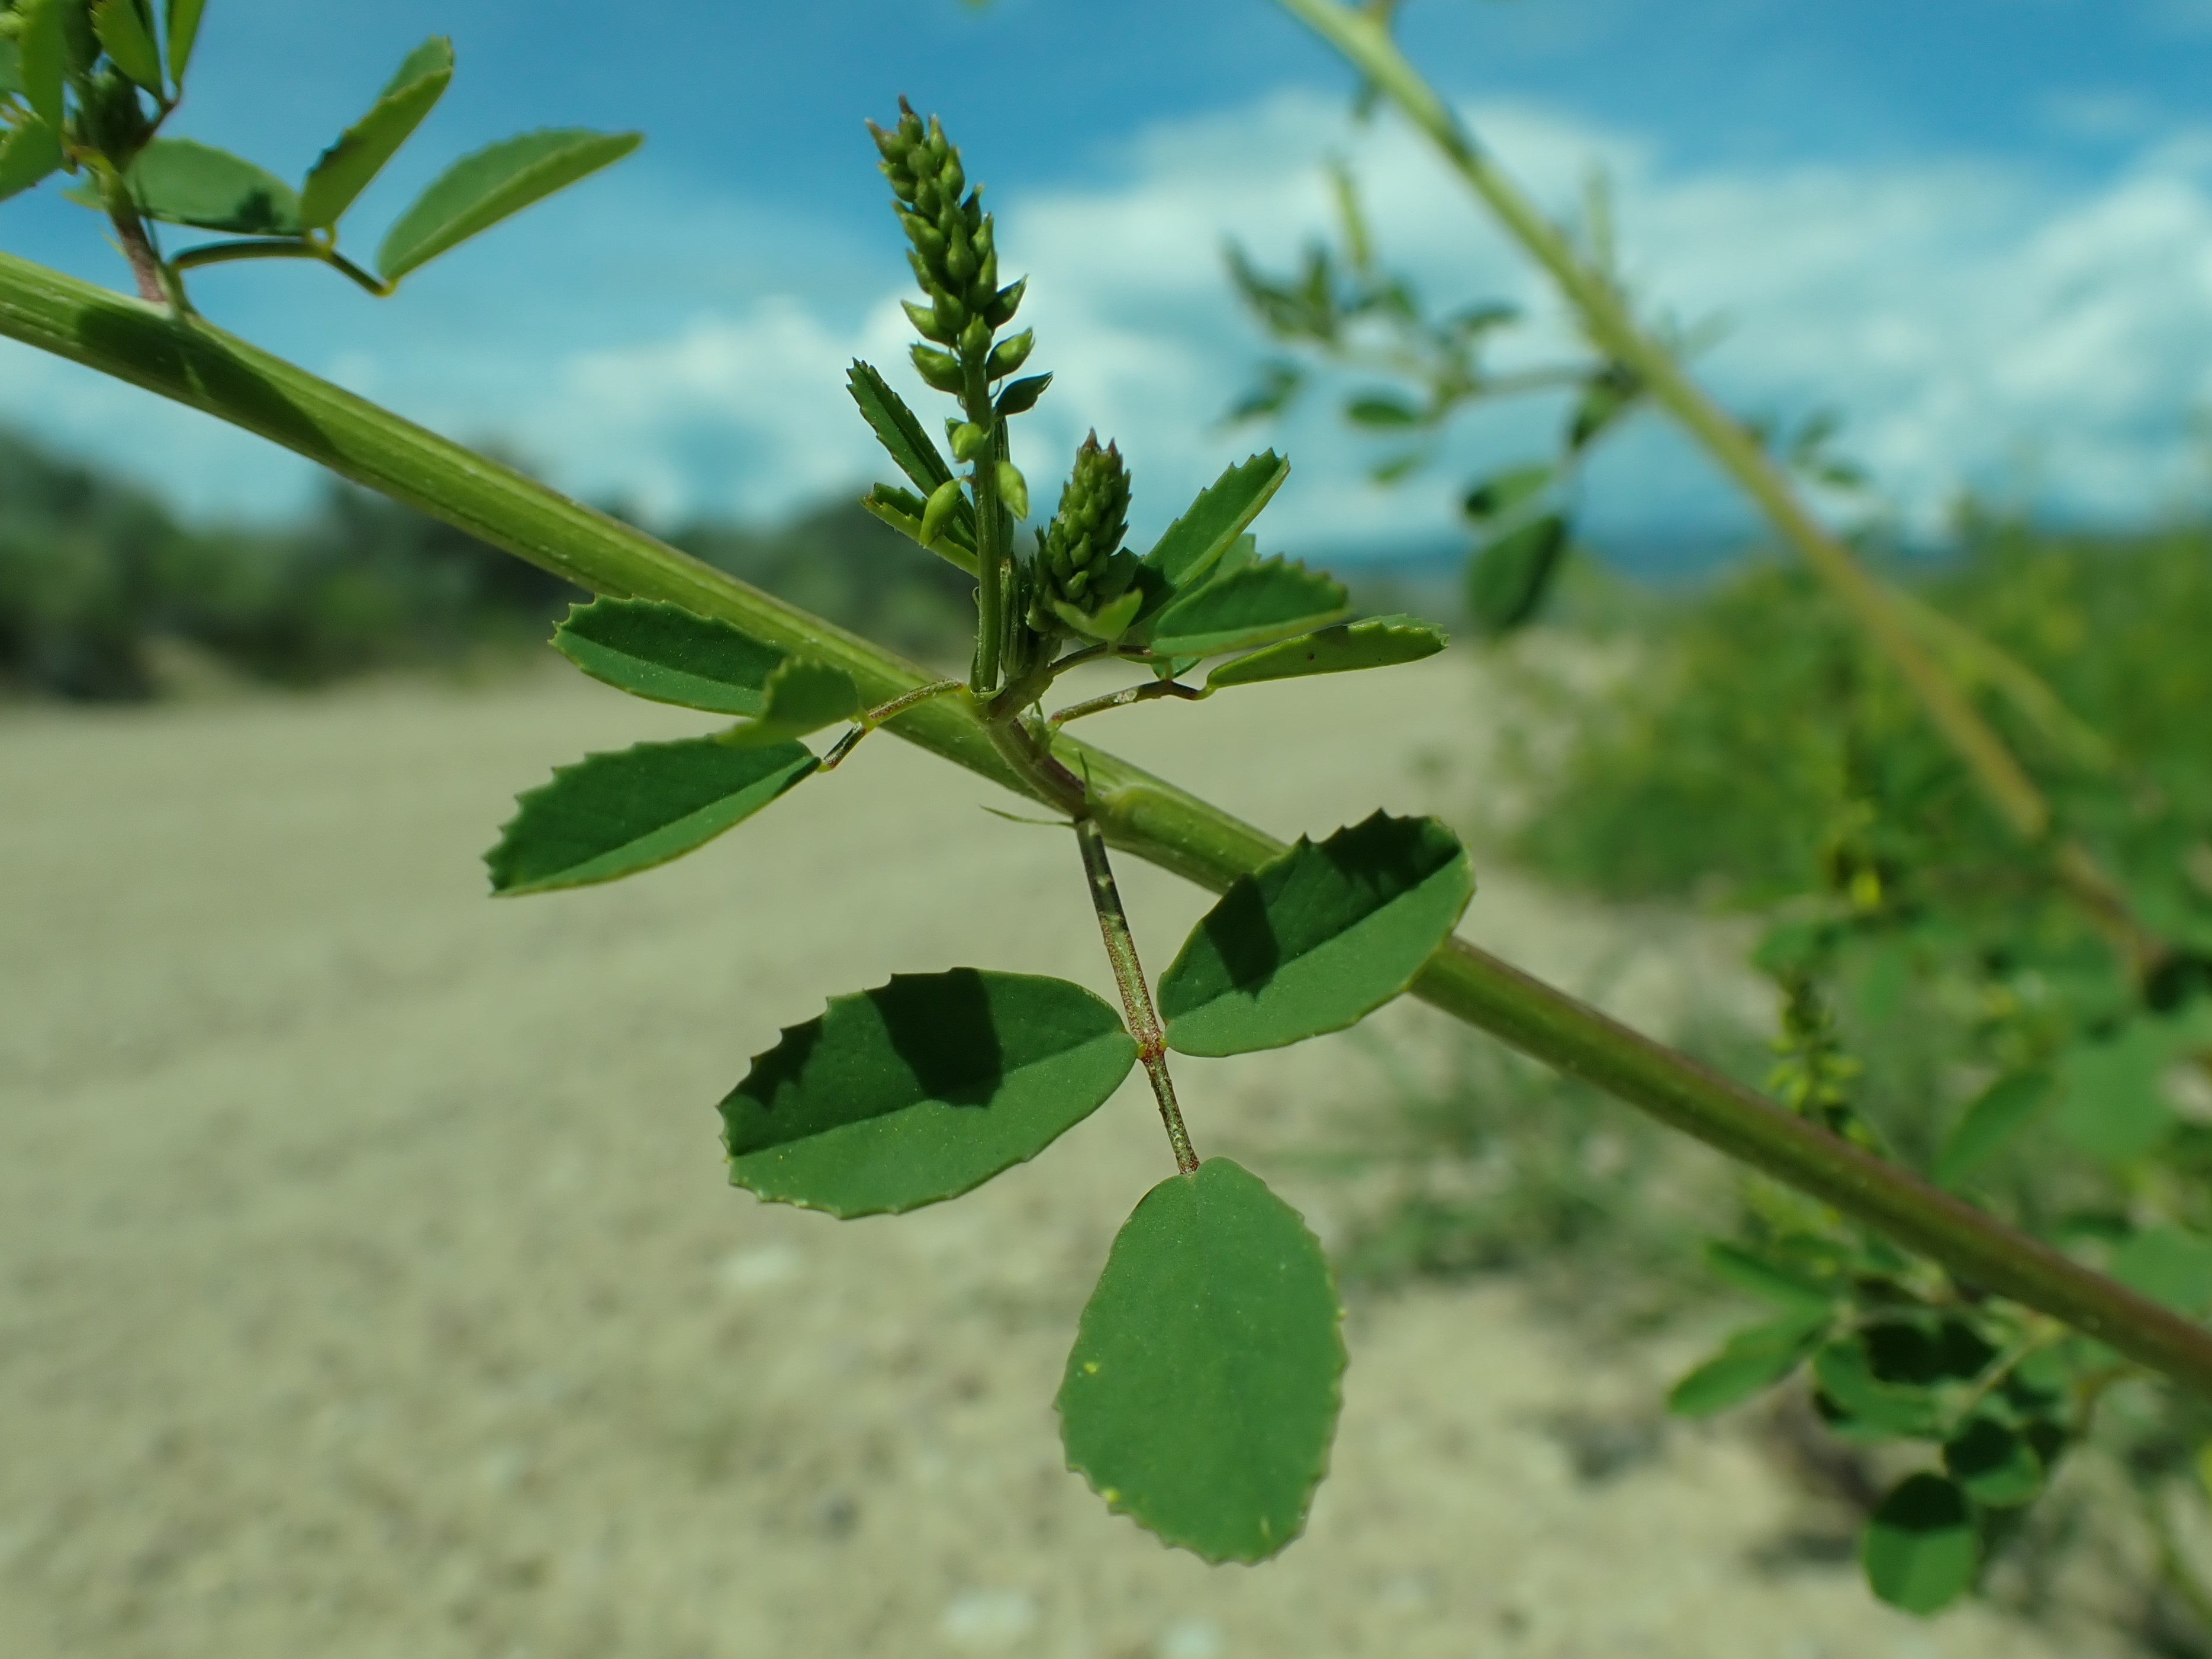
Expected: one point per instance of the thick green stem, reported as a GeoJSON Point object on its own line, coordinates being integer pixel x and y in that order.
{"type": "Point", "coordinates": [1364, 40]}
{"type": "Point", "coordinates": [207, 369]}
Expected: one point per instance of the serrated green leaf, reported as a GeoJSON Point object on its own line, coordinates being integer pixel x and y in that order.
{"type": "Point", "coordinates": [1995, 1465]}
{"type": "Point", "coordinates": [921, 1089]}
{"type": "Point", "coordinates": [1749, 1363]}
{"type": "Point", "coordinates": [1510, 575]}
{"type": "Point", "coordinates": [1919, 1551]}
{"type": "Point", "coordinates": [1252, 606]}
{"type": "Point", "coordinates": [611, 814]}
{"type": "Point", "coordinates": [42, 45]}
{"type": "Point", "coordinates": [801, 696]}
{"type": "Point", "coordinates": [1999, 1112]}
{"type": "Point", "coordinates": [664, 653]}
{"type": "Point", "coordinates": [1317, 938]}
{"type": "Point", "coordinates": [121, 31]}
{"type": "Point", "coordinates": [189, 183]}
{"type": "Point", "coordinates": [2169, 1266]}
{"type": "Point", "coordinates": [344, 170]}
{"type": "Point", "coordinates": [29, 154]}
{"type": "Point", "coordinates": [1215, 519]}
{"type": "Point", "coordinates": [1503, 494]}
{"type": "Point", "coordinates": [493, 182]}
{"type": "Point", "coordinates": [1373, 643]}
{"type": "Point", "coordinates": [1779, 1282]}
{"type": "Point", "coordinates": [897, 428]}
{"type": "Point", "coordinates": [1382, 409]}
{"type": "Point", "coordinates": [1201, 1394]}
{"type": "Point", "coordinates": [184, 31]}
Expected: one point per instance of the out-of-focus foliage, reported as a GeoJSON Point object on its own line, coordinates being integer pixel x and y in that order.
{"type": "Point", "coordinates": [96, 575]}
{"type": "Point", "coordinates": [1754, 739]}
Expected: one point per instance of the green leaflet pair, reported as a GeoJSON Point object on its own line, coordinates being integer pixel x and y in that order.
{"type": "Point", "coordinates": [89, 87]}
{"type": "Point", "coordinates": [1215, 1295]}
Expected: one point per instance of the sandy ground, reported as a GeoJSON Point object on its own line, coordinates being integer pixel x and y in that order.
{"type": "Point", "coordinates": [369, 1286]}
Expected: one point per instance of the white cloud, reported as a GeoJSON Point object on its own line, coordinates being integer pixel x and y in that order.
{"type": "Point", "coordinates": [1962, 314]}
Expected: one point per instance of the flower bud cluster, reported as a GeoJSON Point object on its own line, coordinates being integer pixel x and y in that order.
{"type": "Point", "coordinates": [1084, 575]}
{"type": "Point", "coordinates": [953, 256]}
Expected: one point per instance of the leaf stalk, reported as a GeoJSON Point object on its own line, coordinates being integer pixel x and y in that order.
{"type": "Point", "coordinates": [1136, 997]}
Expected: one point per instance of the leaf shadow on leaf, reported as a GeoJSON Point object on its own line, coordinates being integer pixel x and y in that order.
{"type": "Point", "coordinates": [945, 1032]}
{"type": "Point", "coordinates": [1240, 931]}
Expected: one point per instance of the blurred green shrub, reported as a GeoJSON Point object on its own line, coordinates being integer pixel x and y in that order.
{"type": "Point", "coordinates": [95, 572]}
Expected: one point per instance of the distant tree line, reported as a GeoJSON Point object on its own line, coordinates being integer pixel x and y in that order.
{"type": "Point", "coordinates": [96, 573]}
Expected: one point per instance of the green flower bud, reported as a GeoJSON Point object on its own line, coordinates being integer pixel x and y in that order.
{"type": "Point", "coordinates": [976, 338]}
{"type": "Point", "coordinates": [1013, 489]}
{"type": "Point", "coordinates": [936, 511]}
{"type": "Point", "coordinates": [1000, 310]}
{"type": "Point", "coordinates": [939, 370]}
{"type": "Point", "coordinates": [922, 318]}
{"type": "Point", "coordinates": [1081, 568]}
{"type": "Point", "coordinates": [969, 440]}
{"type": "Point", "coordinates": [950, 178]}
{"type": "Point", "coordinates": [1010, 354]}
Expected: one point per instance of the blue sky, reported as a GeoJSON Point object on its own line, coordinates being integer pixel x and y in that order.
{"type": "Point", "coordinates": [1982, 230]}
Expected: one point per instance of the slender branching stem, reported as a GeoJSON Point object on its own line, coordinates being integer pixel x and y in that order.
{"type": "Point", "coordinates": [280, 248]}
{"type": "Point", "coordinates": [883, 711]}
{"type": "Point", "coordinates": [1125, 696]}
{"type": "Point", "coordinates": [202, 367]}
{"type": "Point", "coordinates": [1129, 977]}
{"type": "Point", "coordinates": [1363, 37]}
{"type": "Point", "coordinates": [990, 535]}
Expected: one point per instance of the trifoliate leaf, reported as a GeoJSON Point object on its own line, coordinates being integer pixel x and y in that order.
{"type": "Point", "coordinates": [1507, 582]}
{"type": "Point", "coordinates": [1919, 1551]}
{"type": "Point", "coordinates": [1201, 1394]}
{"type": "Point", "coordinates": [1252, 606]}
{"type": "Point", "coordinates": [612, 815]}
{"type": "Point", "coordinates": [1317, 938]}
{"type": "Point", "coordinates": [1374, 643]}
{"type": "Point", "coordinates": [922, 1089]}
{"type": "Point", "coordinates": [801, 696]}
{"type": "Point", "coordinates": [184, 30]}
{"type": "Point", "coordinates": [480, 190]}
{"type": "Point", "coordinates": [28, 153]}
{"type": "Point", "coordinates": [121, 31]}
{"type": "Point", "coordinates": [664, 653]}
{"type": "Point", "coordinates": [1749, 1363]}
{"type": "Point", "coordinates": [1215, 519]}
{"type": "Point", "coordinates": [1999, 1113]}
{"type": "Point", "coordinates": [345, 168]}
{"type": "Point", "coordinates": [189, 183]}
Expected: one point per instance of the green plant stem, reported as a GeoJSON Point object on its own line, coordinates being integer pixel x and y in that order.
{"type": "Point", "coordinates": [1125, 696]}
{"type": "Point", "coordinates": [280, 248]}
{"type": "Point", "coordinates": [1129, 975]}
{"type": "Point", "coordinates": [201, 367]}
{"type": "Point", "coordinates": [1363, 39]}
{"type": "Point", "coordinates": [990, 538]}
